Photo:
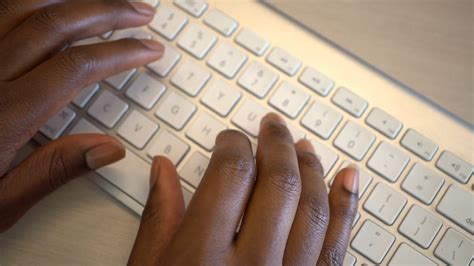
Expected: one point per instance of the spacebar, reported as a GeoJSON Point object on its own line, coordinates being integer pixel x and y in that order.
{"type": "Point", "coordinates": [131, 175]}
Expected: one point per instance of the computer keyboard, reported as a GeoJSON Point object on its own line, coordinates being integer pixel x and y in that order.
{"type": "Point", "coordinates": [216, 74]}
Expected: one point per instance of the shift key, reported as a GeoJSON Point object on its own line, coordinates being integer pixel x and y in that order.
{"type": "Point", "coordinates": [458, 205]}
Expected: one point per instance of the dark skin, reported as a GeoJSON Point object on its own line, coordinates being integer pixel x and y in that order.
{"type": "Point", "coordinates": [287, 216]}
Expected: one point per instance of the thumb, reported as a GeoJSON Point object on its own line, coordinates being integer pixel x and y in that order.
{"type": "Point", "coordinates": [162, 215]}
{"type": "Point", "coordinates": [50, 167]}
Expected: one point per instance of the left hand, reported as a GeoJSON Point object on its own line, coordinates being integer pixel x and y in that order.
{"type": "Point", "coordinates": [40, 73]}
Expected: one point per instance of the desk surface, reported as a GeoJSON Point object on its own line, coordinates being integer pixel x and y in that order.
{"type": "Point", "coordinates": [82, 225]}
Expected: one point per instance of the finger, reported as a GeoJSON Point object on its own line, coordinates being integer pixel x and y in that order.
{"type": "Point", "coordinates": [220, 199]}
{"type": "Point", "coordinates": [13, 12]}
{"type": "Point", "coordinates": [52, 29]}
{"type": "Point", "coordinates": [162, 216]}
{"type": "Point", "coordinates": [50, 167]}
{"type": "Point", "coordinates": [53, 84]}
{"type": "Point", "coordinates": [312, 216]}
{"type": "Point", "coordinates": [270, 213]}
{"type": "Point", "coordinates": [343, 200]}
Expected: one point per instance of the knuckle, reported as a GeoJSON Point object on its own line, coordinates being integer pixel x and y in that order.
{"type": "Point", "coordinates": [9, 8]}
{"type": "Point", "coordinates": [75, 61]}
{"type": "Point", "coordinates": [316, 209]}
{"type": "Point", "coordinates": [51, 20]}
{"type": "Point", "coordinates": [332, 255]}
{"type": "Point", "coordinates": [346, 209]}
{"type": "Point", "coordinates": [234, 164]}
{"type": "Point", "coordinates": [310, 160]}
{"type": "Point", "coordinates": [285, 179]}
{"type": "Point", "coordinates": [58, 173]}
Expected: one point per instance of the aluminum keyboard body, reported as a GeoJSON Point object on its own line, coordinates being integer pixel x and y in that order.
{"type": "Point", "coordinates": [225, 67]}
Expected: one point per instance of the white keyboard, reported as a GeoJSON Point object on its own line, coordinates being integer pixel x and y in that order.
{"type": "Point", "coordinates": [416, 203]}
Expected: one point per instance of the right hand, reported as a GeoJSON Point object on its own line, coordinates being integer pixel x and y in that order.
{"type": "Point", "coordinates": [287, 216]}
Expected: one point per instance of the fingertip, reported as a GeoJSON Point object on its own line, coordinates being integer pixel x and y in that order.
{"type": "Point", "coordinates": [104, 154]}
{"type": "Point", "coordinates": [153, 45]}
{"type": "Point", "coordinates": [351, 178]}
{"type": "Point", "coordinates": [143, 8]}
{"type": "Point", "coordinates": [304, 145]}
{"type": "Point", "coordinates": [272, 117]}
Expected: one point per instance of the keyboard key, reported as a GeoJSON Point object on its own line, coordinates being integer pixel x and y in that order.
{"type": "Point", "coordinates": [349, 260]}
{"type": "Point", "coordinates": [204, 130]}
{"type": "Point", "coordinates": [384, 123]}
{"type": "Point", "coordinates": [168, 22]}
{"type": "Point", "coordinates": [118, 81]}
{"type": "Point", "coordinates": [420, 226]}
{"type": "Point", "coordinates": [258, 79]}
{"type": "Point", "coordinates": [289, 100]}
{"type": "Point", "coordinates": [252, 42]}
{"type": "Point", "coordinates": [248, 117]}
{"type": "Point", "coordinates": [285, 62]}
{"type": "Point", "coordinates": [457, 205]}
{"type": "Point", "coordinates": [221, 97]}
{"type": "Point", "coordinates": [120, 173]}
{"type": "Point", "coordinates": [419, 145]}
{"type": "Point", "coordinates": [385, 203]}
{"type": "Point", "coordinates": [194, 169]}
{"type": "Point", "coordinates": [145, 91]}
{"type": "Point", "coordinates": [406, 255]}
{"type": "Point", "coordinates": [422, 183]}
{"type": "Point", "coordinates": [321, 120]}
{"type": "Point", "coordinates": [364, 178]}
{"type": "Point", "coordinates": [195, 8]}
{"type": "Point", "coordinates": [131, 175]}
{"type": "Point", "coordinates": [167, 144]}
{"type": "Point", "coordinates": [373, 242]}
{"type": "Point", "coordinates": [354, 140]}
{"type": "Point", "coordinates": [56, 125]}
{"type": "Point", "coordinates": [454, 166]}
{"type": "Point", "coordinates": [83, 126]}
{"type": "Point", "coordinates": [296, 133]}
{"type": "Point", "coordinates": [221, 22]}
{"type": "Point", "coordinates": [134, 33]}
{"type": "Point", "coordinates": [326, 156]}
{"type": "Point", "coordinates": [137, 129]}
{"type": "Point", "coordinates": [350, 102]}
{"type": "Point", "coordinates": [197, 41]}
{"type": "Point", "coordinates": [83, 98]}
{"type": "Point", "coordinates": [455, 249]}
{"type": "Point", "coordinates": [388, 161]}
{"type": "Point", "coordinates": [167, 62]}
{"type": "Point", "coordinates": [108, 109]}
{"type": "Point", "coordinates": [316, 81]}
{"type": "Point", "coordinates": [175, 110]}
{"type": "Point", "coordinates": [191, 78]}
{"type": "Point", "coordinates": [227, 60]}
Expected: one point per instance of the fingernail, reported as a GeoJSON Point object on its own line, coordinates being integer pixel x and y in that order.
{"type": "Point", "coordinates": [304, 145]}
{"type": "Point", "coordinates": [104, 154]}
{"type": "Point", "coordinates": [351, 179]}
{"type": "Point", "coordinates": [155, 171]}
{"type": "Point", "coordinates": [153, 45]}
{"type": "Point", "coordinates": [274, 118]}
{"type": "Point", "coordinates": [143, 9]}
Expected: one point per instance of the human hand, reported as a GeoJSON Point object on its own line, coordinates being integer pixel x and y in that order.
{"type": "Point", "coordinates": [40, 73]}
{"type": "Point", "coordinates": [287, 216]}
